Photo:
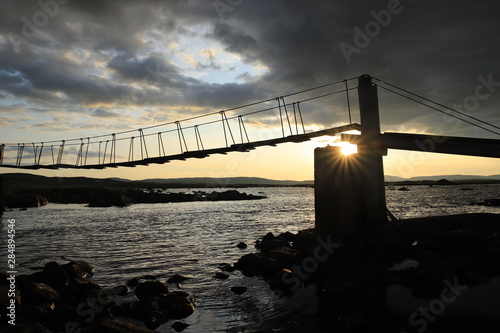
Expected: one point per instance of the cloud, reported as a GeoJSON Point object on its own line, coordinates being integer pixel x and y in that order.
{"type": "Point", "coordinates": [105, 59]}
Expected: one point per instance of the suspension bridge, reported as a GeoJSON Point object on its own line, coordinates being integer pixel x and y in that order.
{"type": "Point", "coordinates": [359, 177]}
{"type": "Point", "coordinates": [183, 139]}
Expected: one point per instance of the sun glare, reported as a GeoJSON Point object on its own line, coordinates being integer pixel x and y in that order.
{"type": "Point", "coordinates": [348, 149]}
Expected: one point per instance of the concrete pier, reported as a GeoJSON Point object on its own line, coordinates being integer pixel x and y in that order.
{"type": "Point", "coordinates": [338, 193]}
{"type": "Point", "coordinates": [350, 190]}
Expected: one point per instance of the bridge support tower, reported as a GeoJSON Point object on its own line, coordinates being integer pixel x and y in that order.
{"type": "Point", "coordinates": [350, 189]}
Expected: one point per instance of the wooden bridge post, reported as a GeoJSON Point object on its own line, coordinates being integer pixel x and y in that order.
{"type": "Point", "coordinates": [350, 190]}
{"type": "Point", "coordinates": [370, 152]}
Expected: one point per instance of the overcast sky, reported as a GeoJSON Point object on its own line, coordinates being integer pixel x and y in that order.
{"type": "Point", "coordinates": [78, 68]}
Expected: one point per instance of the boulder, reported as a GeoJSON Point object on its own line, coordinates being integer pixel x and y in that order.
{"type": "Point", "coordinates": [239, 290]}
{"type": "Point", "coordinates": [39, 293]}
{"type": "Point", "coordinates": [242, 245]}
{"type": "Point", "coordinates": [150, 288]}
{"type": "Point", "coordinates": [285, 256]}
{"type": "Point", "coordinates": [177, 278]}
{"type": "Point", "coordinates": [269, 245]}
{"type": "Point", "coordinates": [176, 304]}
{"type": "Point", "coordinates": [179, 327]}
{"type": "Point", "coordinates": [78, 269]}
{"type": "Point", "coordinates": [285, 283]}
{"type": "Point", "coordinates": [250, 259]}
{"type": "Point", "coordinates": [226, 267]}
{"type": "Point", "coordinates": [221, 276]}
{"type": "Point", "coordinates": [54, 275]}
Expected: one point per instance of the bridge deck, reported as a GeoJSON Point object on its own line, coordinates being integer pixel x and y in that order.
{"type": "Point", "coordinates": [242, 147]}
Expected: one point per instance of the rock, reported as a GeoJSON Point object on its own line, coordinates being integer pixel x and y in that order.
{"type": "Point", "coordinates": [492, 202]}
{"type": "Point", "coordinates": [176, 304]}
{"type": "Point", "coordinates": [149, 277]}
{"type": "Point", "coordinates": [430, 273]}
{"type": "Point", "coordinates": [285, 283]}
{"type": "Point", "coordinates": [25, 200]}
{"type": "Point", "coordinates": [150, 288]}
{"type": "Point", "coordinates": [78, 269]}
{"type": "Point", "coordinates": [268, 268]}
{"type": "Point", "coordinates": [269, 236]}
{"type": "Point", "coordinates": [27, 328]}
{"type": "Point", "coordinates": [239, 290]}
{"type": "Point", "coordinates": [133, 282]}
{"type": "Point", "coordinates": [39, 293]}
{"type": "Point", "coordinates": [109, 200]}
{"type": "Point", "coordinates": [148, 313]}
{"type": "Point", "coordinates": [269, 245]}
{"type": "Point", "coordinates": [178, 278]}
{"type": "Point", "coordinates": [226, 267]}
{"type": "Point", "coordinates": [221, 276]}
{"type": "Point", "coordinates": [242, 245]}
{"type": "Point", "coordinates": [54, 275]}
{"type": "Point", "coordinates": [115, 326]}
{"type": "Point", "coordinates": [248, 260]}
{"type": "Point", "coordinates": [285, 256]}
{"type": "Point", "coordinates": [179, 327]}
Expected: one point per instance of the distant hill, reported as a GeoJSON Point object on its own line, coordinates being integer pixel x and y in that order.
{"type": "Point", "coordinates": [29, 180]}
{"type": "Point", "coordinates": [228, 181]}
{"type": "Point", "coordinates": [455, 178]}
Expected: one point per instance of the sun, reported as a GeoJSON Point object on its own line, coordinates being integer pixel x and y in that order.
{"type": "Point", "coordinates": [348, 149]}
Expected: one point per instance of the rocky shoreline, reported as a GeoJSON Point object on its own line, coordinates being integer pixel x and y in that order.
{"type": "Point", "coordinates": [435, 259]}
{"type": "Point", "coordinates": [102, 197]}
{"type": "Point", "coordinates": [63, 298]}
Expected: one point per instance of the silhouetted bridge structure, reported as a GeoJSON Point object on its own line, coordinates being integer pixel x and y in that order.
{"type": "Point", "coordinates": [359, 175]}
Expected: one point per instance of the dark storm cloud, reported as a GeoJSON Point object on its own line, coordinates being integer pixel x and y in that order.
{"type": "Point", "coordinates": [93, 52]}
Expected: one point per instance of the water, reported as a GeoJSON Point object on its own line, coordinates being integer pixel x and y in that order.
{"type": "Point", "coordinates": [192, 238]}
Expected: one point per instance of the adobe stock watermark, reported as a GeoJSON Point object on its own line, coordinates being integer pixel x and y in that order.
{"type": "Point", "coordinates": [363, 38]}
{"type": "Point", "coordinates": [425, 315]}
{"type": "Point", "coordinates": [31, 26]}
{"type": "Point", "coordinates": [299, 274]}
{"type": "Point", "coordinates": [471, 103]}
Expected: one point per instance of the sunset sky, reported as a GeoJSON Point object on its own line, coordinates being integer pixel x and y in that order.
{"type": "Point", "coordinates": [73, 69]}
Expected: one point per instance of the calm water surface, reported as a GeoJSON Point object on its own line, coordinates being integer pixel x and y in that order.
{"type": "Point", "coordinates": [192, 238]}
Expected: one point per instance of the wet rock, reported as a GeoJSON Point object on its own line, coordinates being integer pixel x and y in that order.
{"type": "Point", "coordinates": [242, 245]}
{"type": "Point", "coordinates": [54, 275]}
{"type": "Point", "coordinates": [285, 256]}
{"type": "Point", "coordinates": [492, 202]}
{"type": "Point", "coordinates": [150, 288]}
{"type": "Point", "coordinates": [134, 282]}
{"type": "Point", "coordinates": [78, 269]}
{"type": "Point", "coordinates": [239, 290]}
{"type": "Point", "coordinates": [146, 311]}
{"type": "Point", "coordinates": [226, 267]}
{"type": "Point", "coordinates": [115, 326]}
{"type": "Point", "coordinates": [176, 304]}
{"type": "Point", "coordinates": [285, 283]}
{"type": "Point", "coordinates": [429, 275]}
{"type": "Point", "coordinates": [39, 293]}
{"type": "Point", "coordinates": [221, 276]}
{"type": "Point", "coordinates": [268, 268]}
{"type": "Point", "coordinates": [179, 327]}
{"type": "Point", "coordinates": [250, 259]}
{"type": "Point", "coordinates": [177, 278]}
{"type": "Point", "coordinates": [149, 277]}
{"type": "Point", "coordinates": [272, 244]}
